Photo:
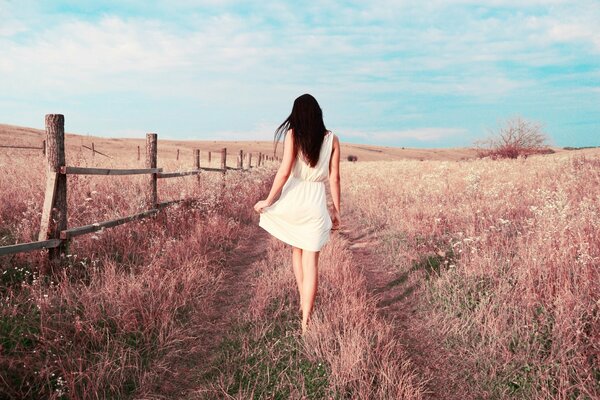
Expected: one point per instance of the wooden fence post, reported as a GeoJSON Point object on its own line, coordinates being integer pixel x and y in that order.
{"type": "Point", "coordinates": [224, 158]}
{"type": "Point", "coordinates": [197, 158]}
{"type": "Point", "coordinates": [259, 159]}
{"type": "Point", "coordinates": [240, 163]}
{"type": "Point", "coordinates": [93, 150]}
{"type": "Point", "coordinates": [209, 158]}
{"type": "Point", "coordinates": [44, 147]}
{"type": "Point", "coordinates": [224, 168]}
{"type": "Point", "coordinates": [151, 152]}
{"type": "Point", "coordinates": [177, 154]}
{"type": "Point", "coordinates": [249, 160]}
{"type": "Point", "coordinates": [138, 152]}
{"type": "Point", "coordinates": [54, 213]}
{"type": "Point", "coordinates": [197, 161]}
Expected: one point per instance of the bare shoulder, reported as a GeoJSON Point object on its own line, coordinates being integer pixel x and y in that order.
{"type": "Point", "coordinates": [289, 136]}
{"type": "Point", "coordinates": [335, 139]}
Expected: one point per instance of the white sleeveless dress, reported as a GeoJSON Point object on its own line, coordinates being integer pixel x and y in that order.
{"type": "Point", "coordinates": [300, 217]}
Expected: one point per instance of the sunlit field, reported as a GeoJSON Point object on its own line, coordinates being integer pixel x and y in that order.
{"type": "Point", "coordinates": [499, 258]}
{"type": "Point", "coordinates": [135, 311]}
{"type": "Point", "coordinates": [504, 261]}
{"type": "Point", "coordinates": [130, 302]}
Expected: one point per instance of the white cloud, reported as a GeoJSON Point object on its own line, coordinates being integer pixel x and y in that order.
{"type": "Point", "coordinates": [428, 134]}
{"type": "Point", "coordinates": [262, 132]}
{"type": "Point", "coordinates": [572, 32]}
{"type": "Point", "coordinates": [369, 60]}
{"type": "Point", "coordinates": [131, 53]}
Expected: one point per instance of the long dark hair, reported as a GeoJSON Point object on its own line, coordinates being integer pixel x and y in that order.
{"type": "Point", "coordinates": [306, 121]}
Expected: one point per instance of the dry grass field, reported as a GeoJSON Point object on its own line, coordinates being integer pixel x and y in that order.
{"type": "Point", "coordinates": [498, 263]}
{"type": "Point", "coordinates": [131, 302]}
{"type": "Point", "coordinates": [452, 277]}
{"type": "Point", "coordinates": [135, 311]}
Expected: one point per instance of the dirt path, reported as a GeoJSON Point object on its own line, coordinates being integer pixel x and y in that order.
{"type": "Point", "coordinates": [235, 292]}
{"type": "Point", "coordinates": [398, 301]}
{"type": "Point", "coordinates": [230, 300]}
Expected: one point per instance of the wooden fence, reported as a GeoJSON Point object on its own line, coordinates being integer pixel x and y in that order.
{"type": "Point", "coordinates": [42, 148]}
{"type": "Point", "coordinates": [54, 233]}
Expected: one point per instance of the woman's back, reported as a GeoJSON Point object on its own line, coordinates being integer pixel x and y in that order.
{"type": "Point", "coordinates": [320, 172]}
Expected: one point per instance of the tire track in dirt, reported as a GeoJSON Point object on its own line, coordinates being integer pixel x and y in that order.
{"type": "Point", "coordinates": [398, 302]}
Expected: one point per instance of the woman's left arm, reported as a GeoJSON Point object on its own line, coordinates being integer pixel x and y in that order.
{"type": "Point", "coordinates": [283, 173]}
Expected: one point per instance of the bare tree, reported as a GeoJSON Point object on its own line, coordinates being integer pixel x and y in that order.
{"type": "Point", "coordinates": [515, 137]}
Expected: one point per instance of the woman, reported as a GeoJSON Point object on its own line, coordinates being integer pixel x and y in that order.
{"type": "Point", "coordinates": [299, 217]}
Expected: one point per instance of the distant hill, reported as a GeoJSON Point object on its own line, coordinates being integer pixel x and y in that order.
{"type": "Point", "coordinates": [127, 147]}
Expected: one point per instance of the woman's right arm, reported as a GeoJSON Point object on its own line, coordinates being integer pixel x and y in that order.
{"type": "Point", "coordinates": [283, 172]}
{"type": "Point", "coordinates": [334, 181]}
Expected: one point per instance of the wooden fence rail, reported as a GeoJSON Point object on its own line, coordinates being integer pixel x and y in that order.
{"type": "Point", "coordinates": [82, 230]}
{"type": "Point", "coordinates": [25, 247]}
{"type": "Point", "coordinates": [94, 151]}
{"type": "Point", "coordinates": [54, 234]}
{"type": "Point", "coordinates": [10, 146]}
{"type": "Point", "coordinates": [107, 171]}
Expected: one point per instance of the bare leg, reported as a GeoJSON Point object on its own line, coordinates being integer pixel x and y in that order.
{"type": "Point", "coordinates": [310, 261]}
{"type": "Point", "coordinates": [297, 266]}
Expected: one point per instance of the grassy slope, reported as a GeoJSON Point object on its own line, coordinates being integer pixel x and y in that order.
{"type": "Point", "coordinates": [127, 148]}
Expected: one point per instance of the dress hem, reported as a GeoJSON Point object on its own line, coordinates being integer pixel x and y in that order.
{"type": "Point", "coordinates": [274, 232]}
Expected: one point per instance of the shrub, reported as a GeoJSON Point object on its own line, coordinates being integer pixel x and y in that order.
{"type": "Point", "coordinates": [352, 158]}
{"type": "Point", "coordinates": [515, 137]}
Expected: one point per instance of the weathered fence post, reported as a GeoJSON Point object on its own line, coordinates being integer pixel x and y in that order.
{"type": "Point", "coordinates": [240, 163]}
{"type": "Point", "coordinates": [54, 213]}
{"type": "Point", "coordinates": [44, 147]}
{"type": "Point", "coordinates": [177, 154]}
{"type": "Point", "coordinates": [197, 158]}
{"type": "Point", "coordinates": [259, 159]}
{"type": "Point", "coordinates": [209, 158]}
{"type": "Point", "coordinates": [224, 159]}
{"type": "Point", "coordinates": [138, 152]}
{"type": "Point", "coordinates": [93, 150]}
{"type": "Point", "coordinates": [224, 168]}
{"type": "Point", "coordinates": [151, 152]}
{"type": "Point", "coordinates": [249, 160]}
{"type": "Point", "coordinates": [197, 161]}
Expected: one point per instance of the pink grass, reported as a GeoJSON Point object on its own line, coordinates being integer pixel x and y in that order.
{"type": "Point", "coordinates": [132, 301]}
{"type": "Point", "coordinates": [518, 300]}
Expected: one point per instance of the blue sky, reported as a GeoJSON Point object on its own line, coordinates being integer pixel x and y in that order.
{"type": "Point", "coordinates": [398, 73]}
